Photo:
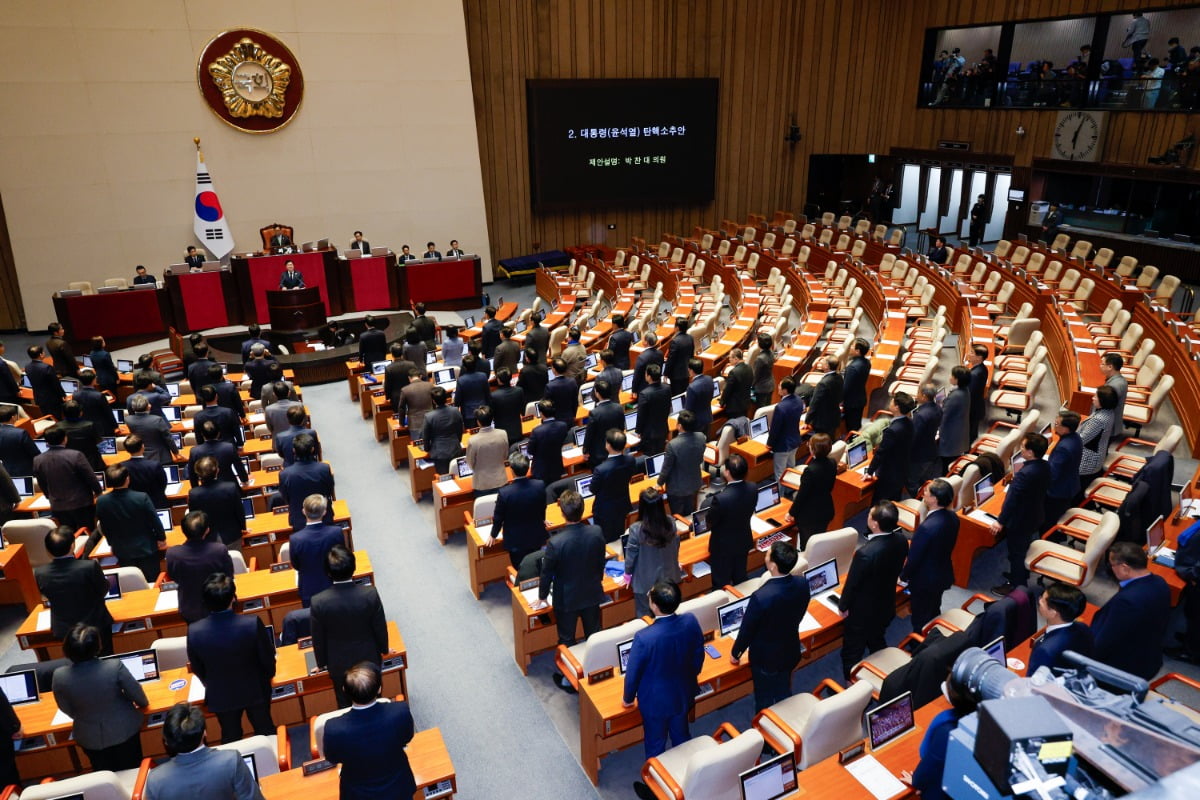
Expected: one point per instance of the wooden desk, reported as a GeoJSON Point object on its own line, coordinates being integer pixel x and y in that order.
{"type": "Point", "coordinates": [17, 584]}
{"type": "Point", "coordinates": [852, 492]}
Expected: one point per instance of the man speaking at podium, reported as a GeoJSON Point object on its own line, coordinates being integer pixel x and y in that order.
{"type": "Point", "coordinates": [291, 279]}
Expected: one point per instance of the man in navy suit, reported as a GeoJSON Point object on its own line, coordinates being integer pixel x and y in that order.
{"type": "Point", "coordinates": [1129, 628]}
{"type": "Point", "coordinates": [649, 355]}
{"type": "Point", "coordinates": [620, 341]}
{"type": "Point", "coordinates": [96, 408]}
{"type": "Point", "coordinates": [17, 449]}
{"type": "Point", "coordinates": [824, 410]}
{"type": "Point", "coordinates": [868, 601]}
{"type": "Point", "coordinates": [924, 463]}
{"type": "Point", "coordinates": [854, 386]}
{"type": "Point", "coordinates": [48, 393]}
{"type": "Point", "coordinates": [699, 395]}
{"type": "Point", "coordinates": [978, 387]}
{"type": "Point", "coordinates": [1060, 605]}
{"type": "Point", "coordinates": [653, 413]}
{"type": "Point", "coordinates": [773, 616]}
{"type": "Point", "coordinates": [928, 571]}
{"type": "Point", "coordinates": [228, 395]}
{"type": "Point", "coordinates": [309, 546]}
{"type": "Point", "coordinates": [563, 392]}
{"type": "Point", "coordinates": [197, 371]}
{"type": "Point", "coordinates": [520, 515]}
{"type": "Point", "coordinates": [233, 655]}
{"type": "Point", "coordinates": [784, 435]}
{"type": "Point", "coordinates": [662, 670]}
{"type": "Point", "coordinates": [307, 476]}
{"type": "Point", "coordinates": [1064, 468]}
{"type": "Point", "coordinates": [889, 466]}
{"type": "Point", "coordinates": [729, 521]}
{"type": "Point", "coordinates": [231, 467]}
{"type": "Point", "coordinates": [610, 485]}
{"type": "Point", "coordinates": [253, 337]}
{"type": "Point", "coordinates": [680, 351]}
{"type": "Point", "coordinates": [228, 425]}
{"type": "Point", "coordinates": [545, 444]}
{"type": "Point", "coordinates": [369, 739]}
{"type": "Point", "coordinates": [610, 371]}
{"type": "Point", "coordinates": [145, 474]}
{"type": "Point", "coordinates": [1024, 505]}
{"type": "Point", "coordinates": [490, 334]}
{"type": "Point", "coordinates": [285, 439]}
{"type": "Point", "coordinates": [189, 564]}
{"type": "Point", "coordinates": [606, 415]}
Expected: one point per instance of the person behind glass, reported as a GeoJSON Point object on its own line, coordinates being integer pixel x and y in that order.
{"type": "Point", "coordinates": [978, 221]}
{"type": "Point", "coordinates": [1060, 605]}
{"type": "Point", "coordinates": [812, 507]}
{"type": "Point", "coordinates": [360, 243]}
{"type": "Point", "coordinates": [194, 769]}
{"type": "Point", "coordinates": [1137, 34]}
{"type": "Point", "coordinates": [290, 279]}
{"type": "Point", "coordinates": [927, 777]}
{"type": "Point", "coordinates": [431, 251]}
{"type": "Point", "coordinates": [454, 251]}
{"type": "Point", "coordinates": [406, 255]}
{"type": "Point", "coordinates": [776, 609]}
{"type": "Point", "coordinates": [651, 549]}
{"type": "Point", "coordinates": [142, 277]}
{"type": "Point", "coordinates": [938, 253]}
{"type": "Point", "coordinates": [193, 259]}
{"type": "Point", "coordinates": [103, 701]}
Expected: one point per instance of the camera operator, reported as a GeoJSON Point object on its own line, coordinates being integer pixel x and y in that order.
{"type": "Point", "coordinates": [927, 777]}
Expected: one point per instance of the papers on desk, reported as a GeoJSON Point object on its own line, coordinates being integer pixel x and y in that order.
{"type": "Point", "coordinates": [172, 488]}
{"type": "Point", "coordinates": [700, 569]}
{"type": "Point", "coordinates": [167, 601]}
{"type": "Point", "coordinates": [195, 690]}
{"type": "Point", "coordinates": [760, 526]}
{"type": "Point", "coordinates": [41, 504]}
{"type": "Point", "coordinates": [60, 718]}
{"type": "Point", "coordinates": [828, 600]}
{"type": "Point", "coordinates": [43, 620]}
{"type": "Point", "coordinates": [1190, 508]}
{"type": "Point", "coordinates": [809, 624]}
{"type": "Point", "coordinates": [979, 515]}
{"type": "Point", "coordinates": [572, 452]}
{"type": "Point", "coordinates": [484, 531]}
{"type": "Point", "coordinates": [257, 419]}
{"type": "Point", "coordinates": [875, 777]}
{"type": "Point", "coordinates": [531, 596]}
{"type": "Point", "coordinates": [424, 463]}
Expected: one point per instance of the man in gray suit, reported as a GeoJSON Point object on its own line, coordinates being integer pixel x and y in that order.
{"type": "Point", "coordinates": [275, 415]}
{"type": "Point", "coordinates": [194, 770]}
{"type": "Point", "coordinates": [681, 468]}
{"type": "Point", "coordinates": [1110, 368]}
{"type": "Point", "coordinates": [954, 434]}
{"type": "Point", "coordinates": [154, 430]}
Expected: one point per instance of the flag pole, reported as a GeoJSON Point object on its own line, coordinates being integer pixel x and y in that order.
{"type": "Point", "coordinates": [199, 152]}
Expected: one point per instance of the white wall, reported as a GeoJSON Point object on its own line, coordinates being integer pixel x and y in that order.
{"type": "Point", "coordinates": [101, 104]}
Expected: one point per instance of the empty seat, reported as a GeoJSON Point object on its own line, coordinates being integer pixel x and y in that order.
{"type": "Point", "coordinates": [704, 768]}
{"type": "Point", "coordinates": [814, 728]}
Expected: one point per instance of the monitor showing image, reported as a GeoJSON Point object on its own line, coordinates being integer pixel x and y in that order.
{"type": "Point", "coordinates": [172, 413]}
{"type": "Point", "coordinates": [124, 365]}
{"type": "Point", "coordinates": [114, 586]}
{"type": "Point", "coordinates": [1156, 534]}
{"type": "Point", "coordinates": [886, 722]}
{"type": "Point", "coordinates": [631, 421]}
{"type": "Point", "coordinates": [24, 484]}
{"type": "Point", "coordinates": [995, 649]}
{"type": "Point", "coordinates": [654, 464]}
{"type": "Point", "coordinates": [580, 433]}
{"type": "Point", "coordinates": [379, 367]}
{"type": "Point", "coordinates": [768, 497]}
{"type": "Point", "coordinates": [822, 577]}
{"type": "Point", "coordinates": [623, 650]}
{"type": "Point", "coordinates": [730, 616]}
{"type": "Point", "coordinates": [69, 385]}
{"type": "Point", "coordinates": [173, 389]}
{"type": "Point", "coordinates": [700, 521]}
{"type": "Point", "coordinates": [142, 664]}
{"type": "Point", "coordinates": [20, 687]}
{"type": "Point", "coordinates": [759, 427]}
{"type": "Point", "coordinates": [464, 469]}
{"type": "Point", "coordinates": [770, 780]}
{"type": "Point", "coordinates": [443, 376]}
{"type": "Point", "coordinates": [676, 404]}
{"type": "Point", "coordinates": [627, 383]}
{"type": "Point", "coordinates": [584, 486]}
{"type": "Point", "coordinates": [984, 490]}
{"type": "Point", "coordinates": [164, 518]}
{"type": "Point", "coordinates": [856, 454]}
{"type": "Point", "coordinates": [108, 445]}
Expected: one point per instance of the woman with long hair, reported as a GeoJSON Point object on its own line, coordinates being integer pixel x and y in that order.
{"type": "Point", "coordinates": [652, 549]}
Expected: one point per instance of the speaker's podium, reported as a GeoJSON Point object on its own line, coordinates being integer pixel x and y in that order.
{"type": "Point", "coordinates": [295, 309]}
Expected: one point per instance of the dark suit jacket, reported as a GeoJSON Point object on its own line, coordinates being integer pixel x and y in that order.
{"type": "Point", "coordinates": [521, 515]}
{"type": "Point", "coordinates": [1024, 502]}
{"type": "Point", "coordinates": [249, 343]}
{"type": "Point", "coordinates": [229, 397]}
{"type": "Point", "coordinates": [225, 419]}
{"type": "Point", "coordinates": [372, 346]}
{"type": "Point", "coordinates": [653, 412]}
{"type": "Point", "coordinates": [426, 330]}
{"type": "Point", "coordinates": [490, 336]}
{"type": "Point", "coordinates": [824, 413]}
{"type": "Point", "coordinates": [99, 696]}
{"type": "Point", "coordinates": [291, 280]}
{"type": "Point", "coordinates": [537, 339]}
{"type": "Point", "coordinates": [812, 507]}
{"type": "Point", "coordinates": [564, 393]}
{"type": "Point", "coordinates": [681, 349]}
{"type": "Point", "coordinates": [230, 466]}
{"type": "Point", "coordinates": [776, 609]}
{"type": "Point", "coordinates": [545, 448]}
{"type": "Point", "coordinates": [348, 626]}
{"type": "Point", "coordinates": [233, 655]}
{"type": "Point", "coordinates": [48, 393]}
{"type": "Point", "coordinates": [156, 434]}
{"type": "Point", "coordinates": [1049, 647]}
{"type": "Point", "coordinates": [663, 666]}
{"type": "Point", "coordinates": [651, 355]}
{"type": "Point", "coordinates": [106, 370]}
{"type": "Point", "coordinates": [369, 744]}
{"type": "Point", "coordinates": [869, 594]}
{"type": "Point", "coordinates": [10, 390]}
{"type": "Point", "coordinates": [96, 409]}
{"type": "Point", "coordinates": [890, 463]}
{"type": "Point", "coordinates": [1064, 467]}
{"type": "Point", "coordinates": [222, 501]}
{"type": "Point", "coordinates": [64, 359]}
{"type": "Point", "coordinates": [130, 524]}
{"type": "Point", "coordinates": [979, 384]}
{"type": "Point", "coordinates": [854, 379]}
{"type": "Point", "coordinates": [574, 567]}
{"type": "Point", "coordinates": [258, 370]}
{"type": "Point", "coordinates": [442, 432]}
{"type": "Point", "coordinates": [736, 397]}
{"type": "Point", "coordinates": [729, 521]}
{"type": "Point", "coordinates": [285, 443]}
{"type": "Point", "coordinates": [157, 398]}
{"type": "Point", "coordinates": [605, 416]}
{"type": "Point", "coordinates": [620, 342]}
{"type": "Point", "coordinates": [17, 449]}
{"type": "Point", "coordinates": [299, 481]}
{"type": "Point", "coordinates": [83, 437]}
{"type": "Point", "coordinates": [146, 475]}
{"type": "Point", "coordinates": [470, 392]}
{"type": "Point", "coordinates": [395, 378]}
{"type": "Point", "coordinates": [203, 773]}
{"type": "Point", "coordinates": [189, 565]}
{"type": "Point", "coordinates": [508, 404]}
{"type": "Point", "coordinates": [610, 484]}
{"type": "Point", "coordinates": [197, 373]}
{"type": "Point", "coordinates": [75, 589]}
{"type": "Point", "coordinates": [698, 400]}
{"type": "Point", "coordinates": [928, 567]}
{"type": "Point", "coordinates": [925, 421]}
{"type": "Point", "coordinates": [1130, 627]}
{"type": "Point", "coordinates": [66, 478]}
{"type": "Point", "coordinates": [955, 434]}
{"type": "Point", "coordinates": [532, 381]}
{"type": "Point", "coordinates": [363, 245]}
{"type": "Point", "coordinates": [508, 354]}
{"type": "Point", "coordinates": [307, 549]}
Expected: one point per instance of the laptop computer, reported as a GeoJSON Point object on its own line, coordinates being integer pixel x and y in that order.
{"type": "Point", "coordinates": [995, 649]}
{"type": "Point", "coordinates": [464, 469]}
{"type": "Point", "coordinates": [584, 486]}
{"type": "Point", "coordinates": [822, 579]}
{"type": "Point", "coordinates": [124, 364]}
{"type": "Point", "coordinates": [469, 322]}
{"type": "Point", "coordinates": [430, 357]}
{"type": "Point", "coordinates": [591, 361]}
{"type": "Point", "coordinates": [25, 382]}
{"type": "Point", "coordinates": [770, 780]}
{"type": "Point", "coordinates": [164, 518]}
{"type": "Point", "coordinates": [20, 687]}
{"type": "Point", "coordinates": [700, 521]}
{"type": "Point", "coordinates": [704, 343]}
{"type": "Point", "coordinates": [856, 454]}
{"type": "Point", "coordinates": [172, 473]}
{"type": "Point", "coordinates": [890, 720]}
{"type": "Point", "coordinates": [984, 490]}
{"type": "Point", "coordinates": [759, 428]}
{"type": "Point", "coordinates": [173, 389]}
{"type": "Point", "coordinates": [443, 377]}
{"type": "Point", "coordinates": [108, 445]}
{"type": "Point", "coordinates": [119, 415]}
{"type": "Point", "coordinates": [729, 616]}
{"type": "Point", "coordinates": [631, 420]}
{"type": "Point", "coordinates": [1156, 535]}
{"type": "Point", "coordinates": [86, 361]}
{"type": "Point", "coordinates": [654, 464]}
{"type": "Point", "coordinates": [580, 433]}
{"type": "Point", "coordinates": [24, 484]}
{"type": "Point", "coordinates": [248, 507]}
{"type": "Point", "coordinates": [69, 385]}
{"type": "Point", "coordinates": [142, 664]}
{"type": "Point", "coordinates": [585, 390]}
{"type": "Point", "coordinates": [114, 586]}
{"type": "Point", "coordinates": [41, 445]}
{"type": "Point", "coordinates": [173, 413]}
{"type": "Point", "coordinates": [352, 253]}
{"type": "Point", "coordinates": [768, 497]}
{"type": "Point", "coordinates": [378, 367]}
{"type": "Point", "coordinates": [627, 383]}
{"type": "Point", "coordinates": [623, 650]}
{"type": "Point", "coordinates": [676, 405]}
{"type": "Point", "coordinates": [177, 439]}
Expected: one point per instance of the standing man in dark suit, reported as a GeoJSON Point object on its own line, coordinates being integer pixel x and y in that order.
{"type": "Point", "coordinates": [275, 412]}
{"type": "Point", "coordinates": [309, 547]}
{"type": "Point", "coordinates": [442, 431]}
{"type": "Point", "coordinates": [360, 244]}
{"type": "Point", "coordinates": [416, 400]}
{"type": "Point", "coordinates": [290, 278]}
{"type": "Point", "coordinates": [1130, 627]}
{"type": "Point", "coordinates": [699, 396]}
{"type": "Point", "coordinates": [10, 730]}
{"type": "Point", "coordinates": [508, 406]}
{"type": "Point", "coordinates": [145, 474]}
{"type": "Point", "coordinates": [368, 741]}
{"type": "Point", "coordinates": [228, 395]}
{"type": "Point", "coordinates": [233, 655]}
{"type": "Point", "coordinates": [563, 392]}
{"type": "Point", "coordinates": [490, 335]}
{"type": "Point", "coordinates": [94, 404]}
{"type": "Point", "coordinates": [812, 507]}
{"type": "Point", "coordinates": [17, 449]}
{"type": "Point", "coordinates": [258, 370]}
{"type": "Point", "coordinates": [954, 434]}
{"type": "Point", "coordinates": [189, 564]}
{"type": "Point", "coordinates": [425, 327]}
{"type": "Point", "coordinates": [573, 567]}
{"type": "Point", "coordinates": [537, 338]}
{"type": "Point", "coordinates": [102, 363]}
{"type": "Point", "coordinates": [10, 389]}
{"type": "Point", "coordinates": [197, 371]}
{"type": "Point", "coordinates": [1064, 463]}
{"type": "Point", "coordinates": [75, 588]}
{"type": "Point", "coordinates": [397, 375]}
{"type": "Point", "coordinates": [545, 444]}
{"type": "Point", "coordinates": [610, 485]}
{"type": "Point", "coordinates": [48, 393]}
{"type": "Point", "coordinates": [229, 463]}
{"type": "Point", "coordinates": [82, 435]}
{"type": "Point", "coordinates": [775, 611]}
{"type": "Point", "coordinates": [534, 376]}
{"type": "Point", "coordinates": [60, 352]}
{"type": "Point", "coordinates": [307, 476]}
{"type": "Point", "coordinates": [735, 399]}
{"type": "Point", "coordinates": [221, 502]}
{"type": "Point", "coordinates": [620, 341]}
{"type": "Point", "coordinates": [66, 478]}
{"type": "Point", "coordinates": [372, 345]}
{"type": "Point", "coordinates": [650, 355]}
{"type": "Point", "coordinates": [653, 413]}
{"type": "Point", "coordinates": [680, 351]}
{"type": "Point", "coordinates": [1110, 368]}
{"type": "Point", "coordinates": [153, 429]}
{"type": "Point", "coordinates": [508, 352]}
{"type": "Point", "coordinates": [868, 601]}
{"type": "Point", "coordinates": [681, 475]}
{"type": "Point", "coordinates": [1021, 515]}
{"type": "Point", "coordinates": [610, 371]}
{"type": "Point", "coordinates": [978, 221]}
{"type": "Point", "coordinates": [824, 411]}
{"type": "Point", "coordinates": [924, 463]}
{"type": "Point", "coordinates": [471, 390]}
{"type": "Point", "coordinates": [729, 521]}
{"type": "Point", "coordinates": [253, 336]}
{"type": "Point", "coordinates": [854, 391]}
{"type": "Point", "coordinates": [228, 425]}
{"type": "Point", "coordinates": [130, 524]}
{"type": "Point", "coordinates": [606, 415]}
{"type": "Point", "coordinates": [889, 466]}
{"type": "Point", "coordinates": [194, 769]}
{"type": "Point", "coordinates": [520, 515]}
{"type": "Point", "coordinates": [979, 387]}
{"type": "Point", "coordinates": [662, 670]}
{"type": "Point", "coordinates": [1060, 605]}
{"type": "Point", "coordinates": [929, 571]}
{"type": "Point", "coordinates": [348, 622]}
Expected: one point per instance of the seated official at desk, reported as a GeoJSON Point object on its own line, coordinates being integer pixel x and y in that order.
{"type": "Point", "coordinates": [281, 242]}
{"type": "Point", "coordinates": [431, 251]}
{"type": "Point", "coordinates": [368, 740]}
{"type": "Point", "coordinates": [939, 253]}
{"type": "Point", "coordinates": [196, 770]}
{"type": "Point", "coordinates": [290, 279]}
{"type": "Point", "coordinates": [360, 243]}
{"type": "Point", "coordinates": [103, 699]}
{"type": "Point", "coordinates": [193, 259]}
{"type": "Point", "coordinates": [454, 252]}
{"type": "Point", "coordinates": [405, 255]}
{"type": "Point", "coordinates": [142, 277]}
{"type": "Point", "coordinates": [927, 777]}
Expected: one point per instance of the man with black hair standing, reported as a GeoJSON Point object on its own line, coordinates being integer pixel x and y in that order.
{"type": "Point", "coordinates": [563, 392]}
{"type": "Point", "coordinates": [520, 516]}
{"type": "Point", "coordinates": [194, 769]}
{"type": "Point", "coordinates": [824, 411]}
{"type": "Point", "coordinates": [349, 625]}
{"type": "Point", "coordinates": [699, 396]}
{"type": "Point", "coordinates": [854, 385]}
{"type": "Point", "coordinates": [978, 387]}
{"type": "Point", "coordinates": [60, 352]}
{"type": "Point", "coordinates": [130, 524]}
{"type": "Point", "coordinates": [490, 336]}
{"type": "Point", "coordinates": [606, 415]}
{"type": "Point", "coordinates": [75, 588]}
{"type": "Point", "coordinates": [189, 564]}
{"type": "Point", "coordinates": [729, 520]}
{"type": "Point", "coordinates": [48, 393]}
{"type": "Point", "coordinates": [868, 601]}
{"type": "Point", "coordinates": [1024, 504]}
{"type": "Point", "coordinates": [610, 485]}
{"type": "Point", "coordinates": [680, 351]}
{"type": "Point", "coordinates": [978, 221]}
{"type": "Point", "coordinates": [620, 341]}
{"type": "Point", "coordinates": [653, 413]}
{"type": "Point", "coordinates": [306, 476]}
{"type": "Point", "coordinates": [928, 570]}
{"type": "Point", "coordinates": [66, 478]}
{"type": "Point", "coordinates": [368, 741]}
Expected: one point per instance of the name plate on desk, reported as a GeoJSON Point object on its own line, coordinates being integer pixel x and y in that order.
{"type": "Point", "coordinates": [439, 789]}
{"type": "Point", "coordinates": [316, 765]}
{"type": "Point", "coordinates": [281, 566]}
{"type": "Point", "coordinates": [529, 583]}
{"type": "Point", "coordinates": [395, 662]}
{"type": "Point", "coordinates": [365, 580]}
{"type": "Point", "coordinates": [287, 690]}
{"type": "Point", "coordinates": [255, 541]}
{"type": "Point", "coordinates": [274, 468]}
{"type": "Point", "coordinates": [600, 675]}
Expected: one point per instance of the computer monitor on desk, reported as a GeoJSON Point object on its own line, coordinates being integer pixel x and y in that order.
{"type": "Point", "coordinates": [730, 616]}
{"type": "Point", "coordinates": [984, 490]}
{"type": "Point", "coordinates": [20, 687]}
{"type": "Point", "coordinates": [768, 497]}
{"type": "Point", "coordinates": [142, 664]}
{"type": "Point", "coordinates": [770, 780]}
{"type": "Point", "coordinates": [890, 720]}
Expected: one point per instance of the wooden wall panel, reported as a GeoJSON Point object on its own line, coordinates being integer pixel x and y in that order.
{"type": "Point", "coordinates": [847, 69]}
